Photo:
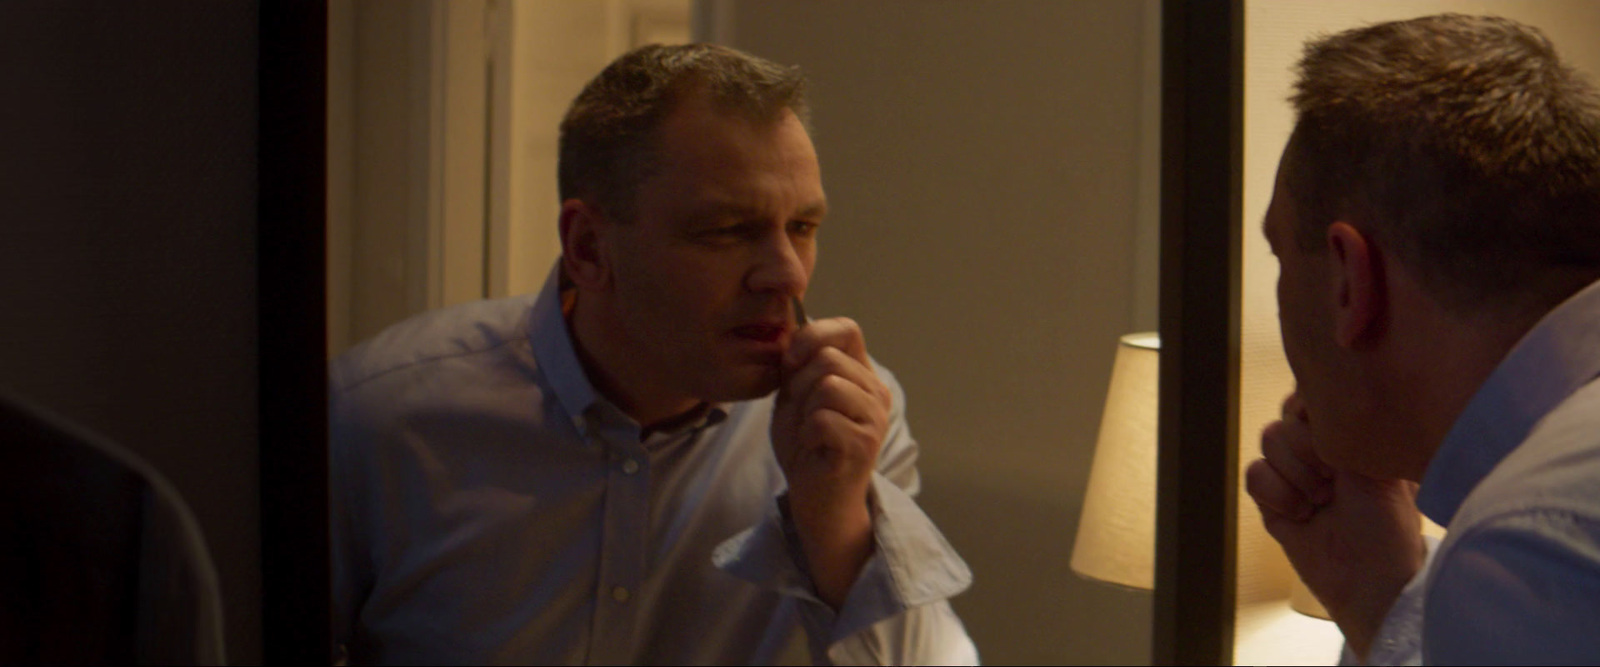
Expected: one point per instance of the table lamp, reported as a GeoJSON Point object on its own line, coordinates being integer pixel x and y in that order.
{"type": "Point", "coordinates": [1116, 532]}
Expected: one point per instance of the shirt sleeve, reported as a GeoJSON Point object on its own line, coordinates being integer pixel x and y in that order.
{"type": "Point", "coordinates": [896, 612]}
{"type": "Point", "coordinates": [349, 569]}
{"type": "Point", "coordinates": [1521, 588]}
{"type": "Point", "coordinates": [1399, 639]}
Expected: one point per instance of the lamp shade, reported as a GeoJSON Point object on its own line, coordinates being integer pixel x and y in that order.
{"type": "Point", "coordinates": [1116, 532]}
{"type": "Point", "coordinates": [1301, 600]}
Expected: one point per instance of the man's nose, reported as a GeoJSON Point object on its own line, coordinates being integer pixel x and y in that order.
{"type": "Point", "coordinates": [780, 267]}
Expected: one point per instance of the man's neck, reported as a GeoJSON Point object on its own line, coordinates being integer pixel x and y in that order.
{"type": "Point", "coordinates": [1439, 361]}
{"type": "Point", "coordinates": [614, 372]}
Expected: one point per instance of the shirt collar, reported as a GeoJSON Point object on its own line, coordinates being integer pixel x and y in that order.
{"type": "Point", "coordinates": [558, 359]}
{"type": "Point", "coordinates": [1557, 357]}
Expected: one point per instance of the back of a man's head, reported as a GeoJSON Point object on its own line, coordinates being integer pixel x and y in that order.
{"type": "Point", "coordinates": [608, 137]}
{"type": "Point", "coordinates": [1464, 146]}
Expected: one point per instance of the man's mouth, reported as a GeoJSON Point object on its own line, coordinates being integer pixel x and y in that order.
{"type": "Point", "coordinates": [761, 333]}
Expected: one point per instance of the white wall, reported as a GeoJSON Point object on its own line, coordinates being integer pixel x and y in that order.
{"type": "Point", "coordinates": [983, 166]}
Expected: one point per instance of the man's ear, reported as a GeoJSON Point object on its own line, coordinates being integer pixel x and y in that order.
{"type": "Point", "coordinates": [583, 255]}
{"type": "Point", "coordinates": [1360, 297]}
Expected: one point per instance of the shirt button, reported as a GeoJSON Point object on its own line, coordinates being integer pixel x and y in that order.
{"type": "Point", "coordinates": [630, 466]}
{"type": "Point", "coordinates": [620, 594]}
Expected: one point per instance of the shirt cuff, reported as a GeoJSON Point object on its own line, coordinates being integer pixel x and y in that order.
{"type": "Point", "coordinates": [1399, 639]}
{"type": "Point", "coordinates": [912, 564]}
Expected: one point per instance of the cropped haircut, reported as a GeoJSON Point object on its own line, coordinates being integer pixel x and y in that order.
{"type": "Point", "coordinates": [609, 142]}
{"type": "Point", "coordinates": [1462, 144]}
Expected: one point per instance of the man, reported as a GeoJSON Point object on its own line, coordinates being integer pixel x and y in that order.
{"type": "Point", "coordinates": [655, 460]}
{"type": "Point", "coordinates": [1437, 223]}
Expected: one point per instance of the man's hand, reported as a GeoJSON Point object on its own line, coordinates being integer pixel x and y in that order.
{"type": "Point", "coordinates": [830, 419]}
{"type": "Point", "coordinates": [1354, 540]}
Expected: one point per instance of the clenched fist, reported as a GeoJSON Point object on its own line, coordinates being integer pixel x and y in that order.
{"type": "Point", "coordinates": [829, 421]}
{"type": "Point", "coordinates": [1354, 540]}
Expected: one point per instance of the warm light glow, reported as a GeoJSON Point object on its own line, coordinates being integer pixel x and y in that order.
{"type": "Point", "coordinates": [1116, 533]}
{"type": "Point", "coordinates": [1301, 600]}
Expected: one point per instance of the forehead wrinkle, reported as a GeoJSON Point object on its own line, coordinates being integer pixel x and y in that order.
{"type": "Point", "coordinates": [716, 206]}
{"type": "Point", "coordinates": [716, 165]}
{"type": "Point", "coordinates": [816, 209]}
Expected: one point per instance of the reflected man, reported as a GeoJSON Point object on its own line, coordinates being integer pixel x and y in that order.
{"type": "Point", "coordinates": [1437, 223]}
{"type": "Point", "coordinates": [652, 460]}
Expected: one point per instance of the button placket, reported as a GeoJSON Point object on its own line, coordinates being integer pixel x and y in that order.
{"type": "Point", "coordinates": [624, 548]}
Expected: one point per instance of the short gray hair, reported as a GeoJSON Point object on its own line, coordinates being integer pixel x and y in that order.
{"type": "Point", "coordinates": [1460, 141]}
{"type": "Point", "coordinates": [608, 137]}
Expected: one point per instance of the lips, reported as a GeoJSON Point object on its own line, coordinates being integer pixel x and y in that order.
{"type": "Point", "coordinates": [762, 333]}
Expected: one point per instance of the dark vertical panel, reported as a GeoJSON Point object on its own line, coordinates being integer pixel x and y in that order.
{"type": "Point", "coordinates": [1202, 145]}
{"type": "Point", "coordinates": [296, 625]}
{"type": "Point", "coordinates": [128, 295]}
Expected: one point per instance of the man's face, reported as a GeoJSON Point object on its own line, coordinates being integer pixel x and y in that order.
{"type": "Point", "coordinates": [1306, 321]}
{"type": "Point", "coordinates": [725, 235]}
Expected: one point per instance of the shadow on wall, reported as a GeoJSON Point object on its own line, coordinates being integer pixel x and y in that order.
{"type": "Point", "coordinates": [989, 524]}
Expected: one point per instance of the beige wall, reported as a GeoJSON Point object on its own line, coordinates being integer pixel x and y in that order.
{"type": "Point", "coordinates": [407, 160]}
{"type": "Point", "coordinates": [1275, 32]}
{"type": "Point", "coordinates": [442, 129]}
{"type": "Point", "coordinates": [548, 50]}
{"type": "Point", "coordinates": [983, 164]}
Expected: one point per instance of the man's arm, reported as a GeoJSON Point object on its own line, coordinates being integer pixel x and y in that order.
{"type": "Point", "coordinates": [884, 603]}
{"type": "Point", "coordinates": [348, 565]}
{"type": "Point", "coordinates": [1354, 540]}
{"type": "Point", "coordinates": [829, 421]}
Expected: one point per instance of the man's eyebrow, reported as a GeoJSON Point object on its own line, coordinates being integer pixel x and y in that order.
{"type": "Point", "coordinates": [816, 209]}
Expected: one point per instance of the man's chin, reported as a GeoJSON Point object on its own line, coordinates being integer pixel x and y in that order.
{"type": "Point", "coordinates": [746, 383]}
{"type": "Point", "coordinates": [1360, 455]}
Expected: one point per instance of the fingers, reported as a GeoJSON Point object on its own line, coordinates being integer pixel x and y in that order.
{"type": "Point", "coordinates": [1294, 409]}
{"type": "Point", "coordinates": [1290, 480]}
{"type": "Point", "coordinates": [1275, 495]}
{"type": "Point", "coordinates": [831, 400]}
{"type": "Point", "coordinates": [1286, 447]}
{"type": "Point", "coordinates": [829, 366]}
{"type": "Point", "coordinates": [836, 394]}
{"type": "Point", "coordinates": [827, 372]}
{"type": "Point", "coordinates": [826, 425]}
{"type": "Point", "coordinates": [841, 333]}
{"type": "Point", "coordinates": [833, 411]}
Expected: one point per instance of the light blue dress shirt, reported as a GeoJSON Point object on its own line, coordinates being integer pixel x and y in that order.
{"type": "Point", "coordinates": [490, 507]}
{"type": "Point", "coordinates": [1517, 482]}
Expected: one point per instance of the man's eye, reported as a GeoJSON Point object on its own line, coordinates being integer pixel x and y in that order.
{"type": "Point", "coordinates": [726, 232]}
{"type": "Point", "coordinates": [803, 228]}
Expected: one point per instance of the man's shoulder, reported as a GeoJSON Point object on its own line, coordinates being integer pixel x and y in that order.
{"type": "Point", "coordinates": [1517, 578]}
{"type": "Point", "coordinates": [432, 338]}
{"type": "Point", "coordinates": [1554, 471]}
{"type": "Point", "coordinates": [1562, 451]}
